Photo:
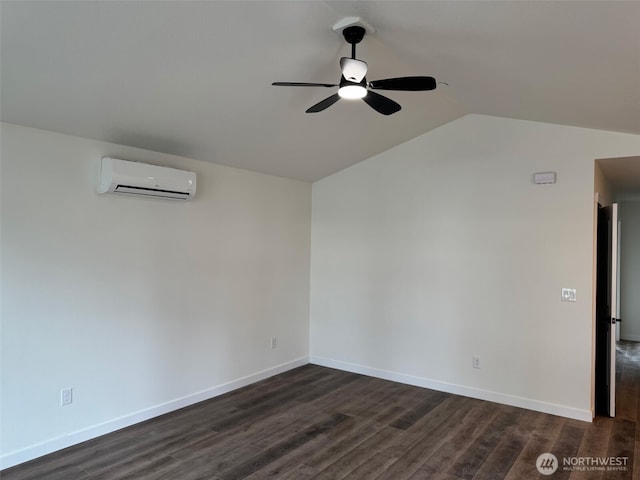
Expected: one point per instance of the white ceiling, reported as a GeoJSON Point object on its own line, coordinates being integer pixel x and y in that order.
{"type": "Point", "coordinates": [194, 78]}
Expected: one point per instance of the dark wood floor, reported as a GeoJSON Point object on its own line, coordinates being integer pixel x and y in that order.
{"type": "Point", "coordinates": [323, 424]}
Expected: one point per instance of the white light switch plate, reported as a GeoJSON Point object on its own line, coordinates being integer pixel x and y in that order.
{"type": "Point", "coordinates": [568, 295]}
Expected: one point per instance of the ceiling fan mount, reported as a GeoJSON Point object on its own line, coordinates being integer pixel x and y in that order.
{"type": "Point", "coordinates": [354, 34]}
{"type": "Point", "coordinates": [354, 85]}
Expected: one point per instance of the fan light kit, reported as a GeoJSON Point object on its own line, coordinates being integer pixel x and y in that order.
{"type": "Point", "coordinates": [352, 92]}
{"type": "Point", "coordinates": [353, 82]}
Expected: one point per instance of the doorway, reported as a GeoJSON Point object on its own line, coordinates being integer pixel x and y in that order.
{"type": "Point", "coordinates": [617, 180]}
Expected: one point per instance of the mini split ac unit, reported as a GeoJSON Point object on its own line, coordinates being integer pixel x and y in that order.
{"type": "Point", "coordinates": [145, 180]}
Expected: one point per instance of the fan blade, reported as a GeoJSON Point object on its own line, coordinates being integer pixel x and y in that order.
{"type": "Point", "coordinates": [381, 104]}
{"type": "Point", "coordinates": [303, 84]}
{"type": "Point", "coordinates": [410, 84]}
{"type": "Point", "coordinates": [324, 104]}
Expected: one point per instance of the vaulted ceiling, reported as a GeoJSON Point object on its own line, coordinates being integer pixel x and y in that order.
{"type": "Point", "coordinates": [194, 78]}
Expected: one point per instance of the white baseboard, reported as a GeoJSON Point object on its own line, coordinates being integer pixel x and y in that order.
{"type": "Point", "coordinates": [506, 399]}
{"type": "Point", "coordinates": [54, 444]}
{"type": "Point", "coordinates": [631, 337]}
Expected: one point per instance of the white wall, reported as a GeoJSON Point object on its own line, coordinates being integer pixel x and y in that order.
{"type": "Point", "coordinates": [630, 270]}
{"type": "Point", "coordinates": [442, 248]}
{"type": "Point", "coordinates": [140, 305]}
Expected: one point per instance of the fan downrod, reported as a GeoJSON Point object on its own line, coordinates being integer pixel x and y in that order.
{"type": "Point", "coordinates": [353, 35]}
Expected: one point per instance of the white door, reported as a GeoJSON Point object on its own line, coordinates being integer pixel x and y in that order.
{"type": "Point", "coordinates": [615, 280]}
{"type": "Point", "coordinates": [618, 325]}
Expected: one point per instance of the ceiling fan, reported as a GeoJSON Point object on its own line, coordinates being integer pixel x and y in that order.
{"type": "Point", "coordinates": [354, 85]}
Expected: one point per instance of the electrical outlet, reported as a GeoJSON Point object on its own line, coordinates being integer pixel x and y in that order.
{"type": "Point", "coordinates": [66, 396]}
{"type": "Point", "coordinates": [273, 342]}
{"type": "Point", "coordinates": [568, 295]}
{"type": "Point", "coordinates": [476, 361]}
